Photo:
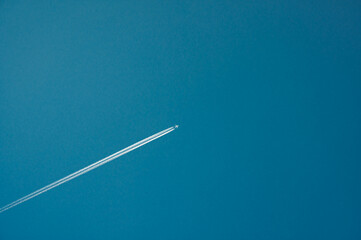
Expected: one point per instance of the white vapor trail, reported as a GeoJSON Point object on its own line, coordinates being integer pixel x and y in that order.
{"type": "Point", "coordinates": [89, 168]}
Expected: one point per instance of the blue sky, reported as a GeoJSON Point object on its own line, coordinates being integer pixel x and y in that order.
{"type": "Point", "coordinates": [266, 93]}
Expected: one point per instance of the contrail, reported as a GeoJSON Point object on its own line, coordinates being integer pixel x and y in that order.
{"type": "Point", "coordinates": [89, 168]}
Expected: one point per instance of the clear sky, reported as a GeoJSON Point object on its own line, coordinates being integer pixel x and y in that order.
{"type": "Point", "coordinates": [266, 93]}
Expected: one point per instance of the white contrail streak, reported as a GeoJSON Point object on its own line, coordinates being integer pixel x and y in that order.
{"type": "Point", "coordinates": [89, 168]}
